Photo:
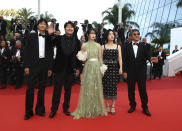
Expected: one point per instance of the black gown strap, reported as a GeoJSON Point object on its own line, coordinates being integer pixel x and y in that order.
{"type": "Point", "coordinates": [117, 46]}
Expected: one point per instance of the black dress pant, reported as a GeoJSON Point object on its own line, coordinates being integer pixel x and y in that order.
{"type": "Point", "coordinates": [60, 80]}
{"type": "Point", "coordinates": [158, 70]}
{"type": "Point", "coordinates": [141, 82]}
{"type": "Point", "coordinates": [37, 73]}
{"type": "Point", "coordinates": [19, 75]}
{"type": "Point", "coordinates": [4, 74]}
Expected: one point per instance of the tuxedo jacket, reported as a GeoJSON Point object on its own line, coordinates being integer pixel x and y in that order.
{"type": "Point", "coordinates": [160, 61]}
{"type": "Point", "coordinates": [14, 58]}
{"type": "Point", "coordinates": [5, 62]}
{"type": "Point", "coordinates": [31, 51]}
{"type": "Point", "coordinates": [135, 66]}
{"type": "Point", "coordinates": [66, 63]}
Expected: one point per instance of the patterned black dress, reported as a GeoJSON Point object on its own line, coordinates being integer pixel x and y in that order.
{"type": "Point", "coordinates": [111, 76]}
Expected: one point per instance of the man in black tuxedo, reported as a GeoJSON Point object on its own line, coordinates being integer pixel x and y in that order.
{"type": "Point", "coordinates": [38, 64]}
{"type": "Point", "coordinates": [17, 60]}
{"type": "Point", "coordinates": [135, 55]}
{"type": "Point", "coordinates": [176, 49]}
{"type": "Point", "coordinates": [158, 67]}
{"type": "Point", "coordinates": [5, 57]}
{"type": "Point", "coordinates": [3, 25]}
{"type": "Point", "coordinates": [66, 64]}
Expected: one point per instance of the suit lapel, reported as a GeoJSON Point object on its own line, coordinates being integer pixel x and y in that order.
{"type": "Point", "coordinates": [131, 50]}
{"type": "Point", "coordinates": [139, 49]}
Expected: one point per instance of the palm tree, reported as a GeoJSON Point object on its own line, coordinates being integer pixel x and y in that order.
{"type": "Point", "coordinates": [111, 15]}
{"type": "Point", "coordinates": [179, 4]}
{"type": "Point", "coordinates": [95, 24]}
{"type": "Point", "coordinates": [161, 33]}
{"type": "Point", "coordinates": [9, 13]}
{"type": "Point", "coordinates": [47, 16]}
{"type": "Point", "coordinates": [24, 15]}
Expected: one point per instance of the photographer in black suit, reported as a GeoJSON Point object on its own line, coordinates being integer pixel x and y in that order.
{"type": "Point", "coordinates": [15, 26]}
{"type": "Point", "coordinates": [3, 25]}
{"type": "Point", "coordinates": [135, 55]}
{"type": "Point", "coordinates": [158, 67]}
{"type": "Point", "coordinates": [38, 57]}
{"type": "Point", "coordinates": [5, 57]}
{"type": "Point", "coordinates": [85, 27]}
{"type": "Point", "coordinates": [121, 33]}
{"type": "Point", "coordinates": [55, 26]}
{"type": "Point", "coordinates": [101, 34]}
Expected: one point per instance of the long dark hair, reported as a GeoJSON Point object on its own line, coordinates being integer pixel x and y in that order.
{"type": "Point", "coordinates": [107, 34]}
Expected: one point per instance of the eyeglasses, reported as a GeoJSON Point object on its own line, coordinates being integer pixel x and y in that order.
{"type": "Point", "coordinates": [136, 34]}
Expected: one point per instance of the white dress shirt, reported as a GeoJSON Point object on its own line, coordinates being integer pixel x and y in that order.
{"type": "Point", "coordinates": [23, 31]}
{"type": "Point", "coordinates": [55, 51]}
{"type": "Point", "coordinates": [41, 46]}
{"type": "Point", "coordinates": [160, 53]}
{"type": "Point", "coordinates": [2, 50]}
{"type": "Point", "coordinates": [135, 48]}
{"type": "Point", "coordinates": [18, 53]}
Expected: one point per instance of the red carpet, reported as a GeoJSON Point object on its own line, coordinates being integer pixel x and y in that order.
{"type": "Point", "coordinates": [165, 104]}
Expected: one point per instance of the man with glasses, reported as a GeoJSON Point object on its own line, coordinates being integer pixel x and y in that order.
{"type": "Point", "coordinates": [135, 55]}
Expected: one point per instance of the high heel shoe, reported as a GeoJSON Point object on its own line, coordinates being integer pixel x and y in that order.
{"type": "Point", "coordinates": [108, 109]}
{"type": "Point", "coordinates": [113, 110]}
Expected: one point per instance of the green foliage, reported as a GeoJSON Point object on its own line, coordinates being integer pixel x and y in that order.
{"type": "Point", "coordinates": [179, 4]}
{"type": "Point", "coordinates": [111, 15]}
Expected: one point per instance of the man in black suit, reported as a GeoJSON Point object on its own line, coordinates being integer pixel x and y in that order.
{"type": "Point", "coordinates": [38, 64]}
{"type": "Point", "coordinates": [158, 67]}
{"type": "Point", "coordinates": [121, 33]}
{"type": "Point", "coordinates": [102, 34]}
{"type": "Point", "coordinates": [135, 55]}
{"type": "Point", "coordinates": [3, 25]}
{"type": "Point", "coordinates": [176, 49]}
{"type": "Point", "coordinates": [85, 27]}
{"type": "Point", "coordinates": [17, 60]}
{"type": "Point", "coordinates": [15, 26]}
{"type": "Point", "coordinates": [5, 57]}
{"type": "Point", "coordinates": [66, 64]}
{"type": "Point", "coordinates": [129, 32]}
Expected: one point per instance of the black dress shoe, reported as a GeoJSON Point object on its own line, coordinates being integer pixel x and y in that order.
{"type": "Point", "coordinates": [17, 87]}
{"type": "Point", "coordinates": [52, 114]}
{"type": "Point", "coordinates": [146, 112]}
{"type": "Point", "coordinates": [28, 116]}
{"type": "Point", "coordinates": [67, 113]}
{"type": "Point", "coordinates": [40, 113]}
{"type": "Point", "coordinates": [3, 87]}
{"type": "Point", "coordinates": [132, 109]}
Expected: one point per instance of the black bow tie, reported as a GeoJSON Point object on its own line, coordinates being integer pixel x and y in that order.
{"type": "Point", "coordinates": [42, 35]}
{"type": "Point", "coordinates": [135, 44]}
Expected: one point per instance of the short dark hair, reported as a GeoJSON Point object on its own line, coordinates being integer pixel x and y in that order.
{"type": "Point", "coordinates": [135, 30]}
{"type": "Point", "coordinates": [89, 31]}
{"type": "Point", "coordinates": [42, 20]}
{"type": "Point", "coordinates": [69, 23]}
